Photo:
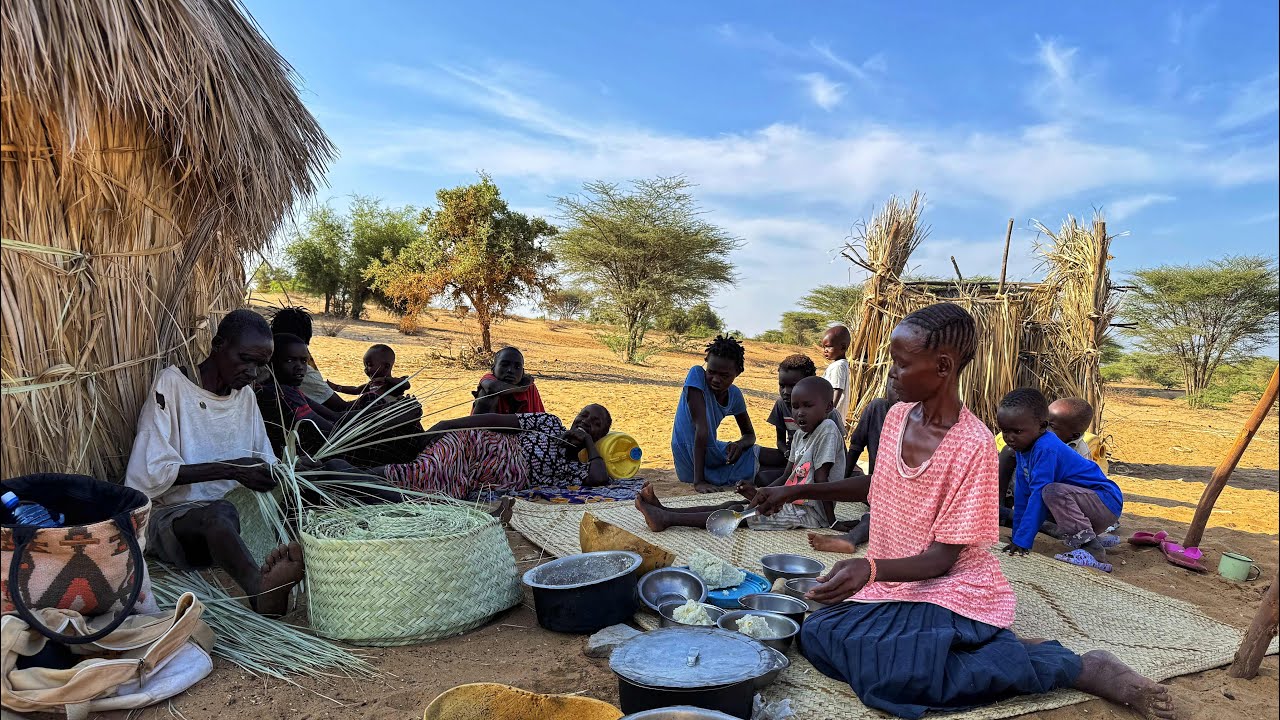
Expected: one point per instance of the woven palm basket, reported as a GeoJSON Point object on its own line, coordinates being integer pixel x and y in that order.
{"type": "Point", "coordinates": [401, 591]}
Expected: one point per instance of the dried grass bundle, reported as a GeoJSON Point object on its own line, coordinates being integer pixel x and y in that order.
{"type": "Point", "coordinates": [1044, 335]}
{"type": "Point", "coordinates": [148, 148]}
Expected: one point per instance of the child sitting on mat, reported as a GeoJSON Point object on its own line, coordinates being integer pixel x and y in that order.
{"type": "Point", "coordinates": [1053, 478]}
{"type": "Point", "coordinates": [708, 397]}
{"type": "Point", "coordinates": [379, 362]}
{"type": "Point", "coordinates": [791, 370]}
{"type": "Point", "coordinates": [866, 436]}
{"type": "Point", "coordinates": [817, 455]}
{"type": "Point", "coordinates": [506, 389]}
{"type": "Point", "coordinates": [1069, 419]}
{"type": "Point", "coordinates": [928, 628]}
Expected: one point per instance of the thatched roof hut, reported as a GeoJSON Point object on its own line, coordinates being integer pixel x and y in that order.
{"type": "Point", "coordinates": [148, 147]}
{"type": "Point", "coordinates": [1046, 335]}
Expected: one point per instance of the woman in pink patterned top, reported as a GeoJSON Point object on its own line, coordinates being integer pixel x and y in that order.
{"type": "Point", "coordinates": [925, 625]}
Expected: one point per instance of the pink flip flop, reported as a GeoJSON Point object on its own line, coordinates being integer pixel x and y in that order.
{"type": "Point", "coordinates": [1187, 558]}
{"type": "Point", "coordinates": [1142, 537]}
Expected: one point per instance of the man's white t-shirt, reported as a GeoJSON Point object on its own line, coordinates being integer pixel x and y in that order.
{"type": "Point", "coordinates": [838, 375]}
{"type": "Point", "coordinates": [181, 423]}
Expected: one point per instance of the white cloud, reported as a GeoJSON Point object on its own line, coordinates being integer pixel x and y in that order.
{"type": "Point", "coordinates": [1185, 29]}
{"type": "Point", "coordinates": [1255, 100]}
{"type": "Point", "coordinates": [814, 52]}
{"type": "Point", "coordinates": [824, 93]}
{"type": "Point", "coordinates": [1126, 207]}
{"type": "Point", "coordinates": [1262, 218]}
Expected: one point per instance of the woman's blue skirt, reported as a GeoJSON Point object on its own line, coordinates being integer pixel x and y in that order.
{"type": "Point", "coordinates": [908, 658]}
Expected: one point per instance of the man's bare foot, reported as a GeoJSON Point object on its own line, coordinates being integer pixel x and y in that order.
{"type": "Point", "coordinates": [1105, 676]}
{"type": "Point", "coordinates": [648, 495]}
{"type": "Point", "coordinates": [832, 543]}
{"type": "Point", "coordinates": [705, 487]}
{"type": "Point", "coordinates": [281, 570]}
{"type": "Point", "coordinates": [655, 516]}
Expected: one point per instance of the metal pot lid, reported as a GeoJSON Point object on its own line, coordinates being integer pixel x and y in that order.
{"type": "Point", "coordinates": [687, 658]}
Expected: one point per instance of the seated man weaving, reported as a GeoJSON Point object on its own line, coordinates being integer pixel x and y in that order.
{"type": "Point", "coordinates": [198, 438]}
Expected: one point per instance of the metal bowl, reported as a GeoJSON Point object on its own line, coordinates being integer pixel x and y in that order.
{"type": "Point", "coordinates": [785, 629]}
{"type": "Point", "coordinates": [790, 567]}
{"type": "Point", "coordinates": [668, 585]}
{"type": "Point", "coordinates": [576, 571]}
{"type": "Point", "coordinates": [679, 712]}
{"type": "Point", "coordinates": [781, 662]}
{"type": "Point", "coordinates": [666, 614]}
{"type": "Point", "coordinates": [784, 605]}
{"type": "Point", "coordinates": [797, 588]}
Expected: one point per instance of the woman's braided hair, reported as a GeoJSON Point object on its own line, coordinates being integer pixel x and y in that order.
{"type": "Point", "coordinates": [947, 325]}
{"type": "Point", "coordinates": [730, 349]}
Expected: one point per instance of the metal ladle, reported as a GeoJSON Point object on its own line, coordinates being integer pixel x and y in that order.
{"type": "Point", "coordinates": [722, 523]}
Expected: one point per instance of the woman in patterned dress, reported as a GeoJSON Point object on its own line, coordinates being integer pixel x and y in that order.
{"type": "Point", "coordinates": [491, 453]}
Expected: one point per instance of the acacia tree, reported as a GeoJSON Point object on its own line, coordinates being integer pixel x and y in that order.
{"type": "Point", "coordinates": [1205, 315]}
{"type": "Point", "coordinates": [835, 303]}
{"type": "Point", "coordinates": [376, 231]}
{"type": "Point", "coordinates": [320, 251]}
{"type": "Point", "coordinates": [476, 250]}
{"type": "Point", "coordinates": [568, 303]}
{"type": "Point", "coordinates": [643, 251]}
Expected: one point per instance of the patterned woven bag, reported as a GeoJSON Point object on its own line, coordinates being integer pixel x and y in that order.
{"type": "Point", "coordinates": [92, 565]}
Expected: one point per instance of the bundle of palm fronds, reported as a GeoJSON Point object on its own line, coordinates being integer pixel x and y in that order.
{"type": "Point", "coordinates": [260, 645]}
{"type": "Point", "coordinates": [1077, 306]}
{"type": "Point", "coordinates": [882, 247]}
{"type": "Point", "coordinates": [1043, 335]}
{"type": "Point", "coordinates": [147, 150]}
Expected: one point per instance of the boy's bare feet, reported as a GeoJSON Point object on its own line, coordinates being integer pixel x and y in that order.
{"type": "Point", "coordinates": [705, 487]}
{"type": "Point", "coordinates": [832, 543]}
{"type": "Point", "coordinates": [281, 570]}
{"type": "Point", "coordinates": [1105, 676]}
{"type": "Point", "coordinates": [655, 516]}
{"type": "Point", "coordinates": [648, 495]}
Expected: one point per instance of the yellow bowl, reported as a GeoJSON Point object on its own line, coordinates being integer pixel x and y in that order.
{"type": "Point", "coordinates": [491, 701]}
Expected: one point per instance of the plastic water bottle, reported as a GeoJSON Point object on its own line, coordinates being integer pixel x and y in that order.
{"type": "Point", "coordinates": [26, 513]}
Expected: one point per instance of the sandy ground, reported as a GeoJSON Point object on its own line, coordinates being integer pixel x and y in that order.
{"type": "Point", "coordinates": [1164, 454]}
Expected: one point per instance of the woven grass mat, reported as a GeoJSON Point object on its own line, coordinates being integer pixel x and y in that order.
{"type": "Point", "coordinates": [1159, 636]}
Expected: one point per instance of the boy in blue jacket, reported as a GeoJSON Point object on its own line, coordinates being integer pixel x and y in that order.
{"type": "Point", "coordinates": [1051, 477]}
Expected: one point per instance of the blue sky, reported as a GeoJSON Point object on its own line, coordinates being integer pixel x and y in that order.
{"type": "Point", "coordinates": [796, 121]}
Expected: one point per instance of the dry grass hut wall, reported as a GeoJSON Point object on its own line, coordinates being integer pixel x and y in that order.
{"type": "Point", "coordinates": [1045, 335]}
{"type": "Point", "coordinates": [147, 147]}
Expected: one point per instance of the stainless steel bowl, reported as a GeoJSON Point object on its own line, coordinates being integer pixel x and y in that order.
{"type": "Point", "coordinates": [790, 567]}
{"type": "Point", "coordinates": [784, 605]}
{"type": "Point", "coordinates": [679, 712]}
{"type": "Point", "coordinates": [798, 587]}
{"type": "Point", "coordinates": [785, 629]}
{"type": "Point", "coordinates": [666, 614]}
{"type": "Point", "coordinates": [668, 585]}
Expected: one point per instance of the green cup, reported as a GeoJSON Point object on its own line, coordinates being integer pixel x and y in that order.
{"type": "Point", "coordinates": [1234, 566]}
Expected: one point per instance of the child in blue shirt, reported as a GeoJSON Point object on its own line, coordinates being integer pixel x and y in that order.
{"type": "Point", "coordinates": [1051, 477]}
{"type": "Point", "coordinates": [708, 397]}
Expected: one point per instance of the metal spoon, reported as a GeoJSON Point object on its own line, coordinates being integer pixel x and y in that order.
{"type": "Point", "coordinates": [722, 523]}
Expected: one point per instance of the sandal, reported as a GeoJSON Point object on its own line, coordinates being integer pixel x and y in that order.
{"type": "Point", "coordinates": [1082, 558]}
{"type": "Point", "coordinates": [1108, 541]}
{"type": "Point", "coordinates": [1142, 537]}
{"type": "Point", "coordinates": [1186, 558]}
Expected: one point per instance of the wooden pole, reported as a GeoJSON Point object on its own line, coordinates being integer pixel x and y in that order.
{"type": "Point", "coordinates": [1004, 264]}
{"type": "Point", "coordinates": [1254, 646]}
{"type": "Point", "coordinates": [959, 277]}
{"type": "Point", "coordinates": [1219, 479]}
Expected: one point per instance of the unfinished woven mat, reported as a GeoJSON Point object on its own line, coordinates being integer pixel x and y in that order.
{"type": "Point", "coordinates": [406, 573]}
{"type": "Point", "coordinates": [1159, 636]}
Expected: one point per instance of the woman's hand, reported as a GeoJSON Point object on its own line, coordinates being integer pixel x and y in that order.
{"type": "Point", "coordinates": [769, 500]}
{"type": "Point", "coordinates": [578, 437]}
{"type": "Point", "coordinates": [846, 578]}
{"type": "Point", "coordinates": [254, 474]}
{"type": "Point", "coordinates": [734, 450]}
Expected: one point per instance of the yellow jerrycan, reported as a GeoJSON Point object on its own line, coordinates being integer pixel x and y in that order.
{"type": "Point", "coordinates": [621, 455]}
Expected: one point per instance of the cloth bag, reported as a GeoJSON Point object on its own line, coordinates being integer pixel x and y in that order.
{"type": "Point", "coordinates": [92, 565]}
{"type": "Point", "coordinates": [146, 659]}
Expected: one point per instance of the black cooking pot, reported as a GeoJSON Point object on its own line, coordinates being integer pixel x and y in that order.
{"type": "Point", "coordinates": [586, 592]}
{"type": "Point", "coordinates": [702, 667]}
